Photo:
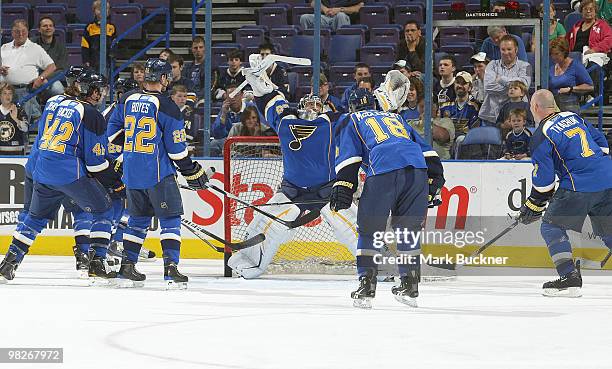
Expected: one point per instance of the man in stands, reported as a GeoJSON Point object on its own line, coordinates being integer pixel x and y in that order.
{"type": "Point", "coordinates": [176, 62]}
{"type": "Point", "coordinates": [444, 90]}
{"type": "Point", "coordinates": [21, 61]}
{"type": "Point", "coordinates": [330, 102]}
{"type": "Point", "coordinates": [232, 75]}
{"type": "Point", "coordinates": [55, 48]}
{"type": "Point", "coordinates": [90, 44]}
{"type": "Point", "coordinates": [491, 45]}
{"type": "Point", "coordinates": [479, 61]}
{"type": "Point", "coordinates": [334, 13]}
{"type": "Point", "coordinates": [497, 78]}
{"type": "Point", "coordinates": [361, 70]}
{"type": "Point", "coordinates": [412, 47]}
{"type": "Point", "coordinates": [276, 73]}
{"type": "Point", "coordinates": [194, 70]}
{"type": "Point", "coordinates": [463, 111]}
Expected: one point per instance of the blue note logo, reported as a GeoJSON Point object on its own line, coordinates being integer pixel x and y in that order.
{"type": "Point", "coordinates": [300, 133]}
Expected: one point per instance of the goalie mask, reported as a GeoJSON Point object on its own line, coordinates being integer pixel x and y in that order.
{"type": "Point", "coordinates": [393, 92]}
{"type": "Point", "coordinates": [310, 107]}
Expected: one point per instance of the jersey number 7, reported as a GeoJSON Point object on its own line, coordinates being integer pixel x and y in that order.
{"type": "Point", "coordinates": [138, 133]}
{"type": "Point", "coordinates": [584, 142]}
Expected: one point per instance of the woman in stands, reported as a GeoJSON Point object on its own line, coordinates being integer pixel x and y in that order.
{"type": "Point", "coordinates": [591, 32]}
{"type": "Point", "coordinates": [410, 110]}
{"type": "Point", "coordinates": [556, 27]}
{"type": "Point", "coordinates": [568, 78]}
{"type": "Point", "coordinates": [249, 125]}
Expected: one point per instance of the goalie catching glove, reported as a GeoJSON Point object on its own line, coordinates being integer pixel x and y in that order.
{"type": "Point", "coordinates": [342, 195]}
{"type": "Point", "coordinates": [196, 176]}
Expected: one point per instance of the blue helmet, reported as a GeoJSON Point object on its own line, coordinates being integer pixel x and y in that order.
{"type": "Point", "coordinates": [90, 80]}
{"type": "Point", "coordinates": [155, 68]}
{"type": "Point", "coordinates": [361, 99]}
{"type": "Point", "coordinates": [125, 84]}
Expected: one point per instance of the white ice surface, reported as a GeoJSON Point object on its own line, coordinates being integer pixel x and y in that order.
{"type": "Point", "coordinates": [302, 322]}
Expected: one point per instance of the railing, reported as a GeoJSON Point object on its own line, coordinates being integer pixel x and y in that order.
{"type": "Point", "coordinates": [600, 95]}
{"type": "Point", "coordinates": [165, 36]}
{"type": "Point", "coordinates": [195, 6]}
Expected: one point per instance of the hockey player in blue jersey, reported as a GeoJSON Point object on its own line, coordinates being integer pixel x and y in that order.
{"type": "Point", "coordinates": [403, 173]}
{"type": "Point", "coordinates": [71, 163]}
{"type": "Point", "coordinates": [154, 143]}
{"type": "Point", "coordinates": [307, 145]}
{"type": "Point", "coordinates": [114, 152]}
{"type": "Point", "coordinates": [563, 145]}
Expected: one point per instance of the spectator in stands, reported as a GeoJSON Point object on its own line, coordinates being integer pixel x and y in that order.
{"type": "Point", "coordinates": [491, 44]}
{"type": "Point", "coordinates": [277, 74]}
{"type": "Point", "coordinates": [165, 54]}
{"type": "Point", "coordinates": [568, 78]}
{"type": "Point", "coordinates": [138, 73]}
{"type": "Point", "coordinates": [443, 88]}
{"type": "Point", "coordinates": [229, 114]}
{"type": "Point", "coordinates": [590, 34]}
{"type": "Point", "coordinates": [178, 94]}
{"type": "Point", "coordinates": [330, 102]}
{"type": "Point", "coordinates": [556, 27]}
{"type": "Point", "coordinates": [334, 13]}
{"type": "Point", "coordinates": [232, 75]}
{"type": "Point", "coordinates": [90, 44]}
{"type": "Point", "coordinates": [21, 61]}
{"type": "Point", "coordinates": [13, 123]}
{"type": "Point", "coordinates": [176, 62]}
{"type": "Point", "coordinates": [410, 110]}
{"type": "Point", "coordinates": [497, 78]}
{"type": "Point", "coordinates": [517, 140]}
{"type": "Point", "coordinates": [361, 70]}
{"type": "Point", "coordinates": [250, 125]}
{"type": "Point", "coordinates": [367, 83]}
{"type": "Point", "coordinates": [604, 9]}
{"type": "Point", "coordinates": [463, 111]}
{"type": "Point", "coordinates": [517, 99]}
{"type": "Point", "coordinates": [442, 130]}
{"type": "Point", "coordinates": [479, 61]}
{"type": "Point", "coordinates": [412, 47]}
{"type": "Point", "coordinates": [194, 70]}
{"type": "Point", "coordinates": [55, 48]}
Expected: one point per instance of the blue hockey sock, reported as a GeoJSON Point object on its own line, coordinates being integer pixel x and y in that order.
{"type": "Point", "coordinates": [559, 248]}
{"type": "Point", "coordinates": [170, 239]}
{"type": "Point", "coordinates": [134, 236]}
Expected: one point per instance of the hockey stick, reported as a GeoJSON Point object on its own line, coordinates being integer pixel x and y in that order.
{"type": "Point", "coordinates": [198, 231]}
{"type": "Point", "coordinates": [605, 260]}
{"type": "Point", "coordinates": [306, 202]}
{"type": "Point", "coordinates": [481, 248]}
{"type": "Point", "coordinates": [267, 63]}
{"type": "Point", "coordinates": [298, 222]}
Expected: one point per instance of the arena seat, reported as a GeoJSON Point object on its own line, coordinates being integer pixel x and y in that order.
{"type": "Point", "coordinates": [481, 143]}
{"type": "Point", "coordinates": [372, 15]}
{"type": "Point", "coordinates": [343, 48]}
{"type": "Point", "coordinates": [377, 54]}
{"type": "Point", "coordinates": [74, 33]}
{"type": "Point", "coordinates": [124, 17]}
{"type": "Point", "coordinates": [272, 16]}
{"type": "Point", "coordinates": [454, 35]}
{"type": "Point", "coordinates": [385, 34]}
{"type": "Point", "coordinates": [406, 12]}
{"type": "Point", "coordinates": [247, 37]}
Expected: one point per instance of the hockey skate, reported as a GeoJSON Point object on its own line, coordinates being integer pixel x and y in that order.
{"type": "Point", "coordinates": [408, 290]}
{"type": "Point", "coordinates": [362, 297]}
{"type": "Point", "coordinates": [173, 278]}
{"type": "Point", "coordinates": [100, 272]}
{"type": "Point", "coordinates": [82, 262]}
{"type": "Point", "coordinates": [8, 267]}
{"type": "Point", "coordinates": [569, 285]}
{"type": "Point", "coordinates": [129, 277]}
{"type": "Point", "coordinates": [146, 255]}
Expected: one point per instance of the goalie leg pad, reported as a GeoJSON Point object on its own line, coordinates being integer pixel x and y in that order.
{"type": "Point", "coordinates": [344, 223]}
{"type": "Point", "coordinates": [253, 261]}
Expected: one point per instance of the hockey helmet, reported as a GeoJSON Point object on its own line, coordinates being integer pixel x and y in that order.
{"type": "Point", "coordinates": [123, 85]}
{"type": "Point", "coordinates": [309, 107]}
{"type": "Point", "coordinates": [155, 68]}
{"type": "Point", "coordinates": [361, 99]}
{"type": "Point", "coordinates": [89, 81]}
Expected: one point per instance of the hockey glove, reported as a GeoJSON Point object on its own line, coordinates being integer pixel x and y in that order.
{"type": "Point", "coordinates": [532, 210]}
{"type": "Point", "coordinates": [196, 177]}
{"type": "Point", "coordinates": [341, 195]}
{"type": "Point", "coordinates": [117, 166]}
{"type": "Point", "coordinates": [435, 187]}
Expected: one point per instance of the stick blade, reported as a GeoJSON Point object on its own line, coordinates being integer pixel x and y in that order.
{"type": "Point", "coordinates": [255, 240]}
{"type": "Point", "coordinates": [304, 219]}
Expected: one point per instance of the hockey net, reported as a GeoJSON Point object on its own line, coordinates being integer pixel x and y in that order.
{"type": "Point", "coordinates": [253, 171]}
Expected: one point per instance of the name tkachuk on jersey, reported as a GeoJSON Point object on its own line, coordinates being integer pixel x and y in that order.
{"type": "Point", "coordinates": [154, 137]}
{"type": "Point", "coordinates": [378, 139]}
{"type": "Point", "coordinates": [307, 146]}
{"type": "Point", "coordinates": [60, 148]}
{"type": "Point", "coordinates": [560, 146]}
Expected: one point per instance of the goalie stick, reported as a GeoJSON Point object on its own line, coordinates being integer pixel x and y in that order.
{"type": "Point", "coordinates": [298, 222]}
{"type": "Point", "coordinates": [267, 63]}
{"type": "Point", "coordinates": [199, 232]}
{"type": "Point", "coordinates": [481, 248]}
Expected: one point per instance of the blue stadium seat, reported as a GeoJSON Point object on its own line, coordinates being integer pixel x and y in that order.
{"type": "Point", "coordinates": [342, 74]}
{"type": "Point", "coordinates": [303, 46]}
{"type": "Point", "coordinates": [74, 55]}
{"type": "Point", "coordinates": [373, 54]}
{"type": "Point", "coordinates": [297, 11]}
{"type": "Point", "coordinates": [343, 48]}
{"type": "Point", "coordinates": [570, 20]}
{"type": "Point", "coordinates": [151, 5]}
{"type": "Point", "coordinates": [461, 53]}
{"type": "Point", "coordinates": [385, 34]}
{"type": "Point", "coordinates": [284, 37]}
{"type": "Point", "coordinates": [481, 143]}
{"type": "Point", "coordinates": [219, 54]}
{"type": "Point", "coordinates": [12, 12]}
{"type": "Point", "coordinates": [441, 11]}
{"type": "Point", "coordinates": [404, 13]}
{"type": "Point", "coordinates": [303, 74]}
{"type": "Point", "coordinates": [372, 15]}
{"type": "Point", "coordinates": [359, 31]}
{"type": "Point", "coordinates": [74, 33]}
{"type": "Point", "coordinates": [57, 12]}
{"type": "Point", "coordinates": [248, 37]}
{"type": "Point", "coordinates": [454, 35]}
{"type": "Point", "coordinates": [124, 17]}
{"type": "Point", "coordinates": [272, 16]}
